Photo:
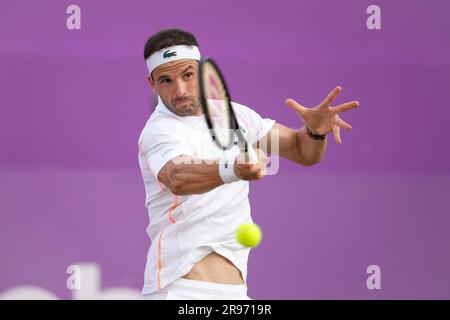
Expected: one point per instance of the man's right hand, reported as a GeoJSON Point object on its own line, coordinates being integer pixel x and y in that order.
{"type": "Point", "coordinates": [251, 171]}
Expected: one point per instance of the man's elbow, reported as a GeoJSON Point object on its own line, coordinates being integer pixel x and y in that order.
{"type": "Point", "coordinates": [177, 190]}
{"type": "Point", "coordinates": [177, 182]}
{"type": "Point", "coordinates": [174, 182]}
{"type": "Point", "coordinates": [309, 162]}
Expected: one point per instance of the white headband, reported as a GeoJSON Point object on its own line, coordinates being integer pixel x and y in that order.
{"type": "Point", "coordinates": [171, 54]}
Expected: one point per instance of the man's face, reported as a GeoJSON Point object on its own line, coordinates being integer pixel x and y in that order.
{"type": "Point", "coordinates": [176, 83]}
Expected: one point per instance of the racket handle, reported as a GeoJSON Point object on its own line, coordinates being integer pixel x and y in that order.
{"type": "Point", "coordinates": [251, 155]}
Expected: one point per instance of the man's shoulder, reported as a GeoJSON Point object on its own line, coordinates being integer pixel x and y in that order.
{"type": "Point", "coordinates": [160, 124]}
{"type": "Point", "coordinates": [160, 120]}
{"type": "Point", "coordinates": [243, 111]}
{"type": "Point", "coordinates": [242, 108]}
{"type": "Point", "coordinates": [237, 105]}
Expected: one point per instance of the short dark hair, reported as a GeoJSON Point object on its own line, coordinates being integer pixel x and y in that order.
{"type": "Point", "coordinates": [167, 38]}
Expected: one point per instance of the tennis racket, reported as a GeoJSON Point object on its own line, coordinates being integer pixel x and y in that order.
{"type": "Point", "coordinates": [219, 114]}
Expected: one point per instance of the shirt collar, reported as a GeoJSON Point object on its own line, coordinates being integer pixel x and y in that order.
{"type": "Point", "coordinates": [192, 120]}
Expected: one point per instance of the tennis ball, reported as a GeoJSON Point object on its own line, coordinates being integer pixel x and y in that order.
{"type": "Point", "coordinates": [249, 234]}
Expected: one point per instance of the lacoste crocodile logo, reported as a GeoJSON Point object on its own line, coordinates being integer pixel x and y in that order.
{"type": "Point", "coordinates": [168, 54]}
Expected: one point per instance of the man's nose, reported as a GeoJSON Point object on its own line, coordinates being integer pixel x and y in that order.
{"type": "Point", "coordinates": [180, 89]}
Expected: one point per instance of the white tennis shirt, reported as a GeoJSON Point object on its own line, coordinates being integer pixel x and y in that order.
{"type": "Point", "coordinates": [184, 229]}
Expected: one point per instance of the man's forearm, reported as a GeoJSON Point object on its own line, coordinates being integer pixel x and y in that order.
{"type": "Point", "coordinates": [190, 178]}
{"type": "Point", "coordinates": [310, 151]}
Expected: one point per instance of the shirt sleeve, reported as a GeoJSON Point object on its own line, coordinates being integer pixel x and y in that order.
{"type": "Point", "coordinates": [161, 141]}
{"type": "Point", "coordinates": [258, 125]}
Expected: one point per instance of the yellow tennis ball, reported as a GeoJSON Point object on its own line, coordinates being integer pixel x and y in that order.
{"type": "Point", "coordinates": [249, 234]}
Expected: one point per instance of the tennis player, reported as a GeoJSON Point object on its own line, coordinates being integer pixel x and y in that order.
{"type": "Point", "coordinates": [194, 204]}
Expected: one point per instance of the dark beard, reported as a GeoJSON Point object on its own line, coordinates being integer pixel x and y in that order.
{"type": "Point", "coordinates": [188, 110]}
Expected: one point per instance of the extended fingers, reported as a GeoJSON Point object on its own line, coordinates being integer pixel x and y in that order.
{"type": "Point", "coordinates": [344, 125]}
{"type": "Point", "coordinates": [331, 97]}
{"type": "Point", "coordinates": [337, 134]}
{"type": "Point", "coordinates": [345, 106]}
{"type": "Point", "coordinates": [295, 105]}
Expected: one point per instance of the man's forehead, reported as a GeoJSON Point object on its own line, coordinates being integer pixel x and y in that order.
{"type": "Point", "coordinates": [175, 66]}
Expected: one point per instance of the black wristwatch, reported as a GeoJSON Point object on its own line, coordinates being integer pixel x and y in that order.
{"type": "Point", "coordinates": [315, 136]}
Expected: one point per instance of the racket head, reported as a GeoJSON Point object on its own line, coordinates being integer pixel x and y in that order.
{"type": "Point", "coordinates": [216, 103]}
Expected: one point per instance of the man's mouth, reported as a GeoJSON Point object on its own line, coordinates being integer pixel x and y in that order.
{"type": "Point", "coordinates": [182, 102]}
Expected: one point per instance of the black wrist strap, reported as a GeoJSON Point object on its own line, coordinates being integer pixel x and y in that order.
{"type": "Point", "coordinates": [315, 136]}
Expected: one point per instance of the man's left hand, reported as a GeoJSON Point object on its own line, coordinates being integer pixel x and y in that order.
{"type": "Point", "coordinates": [323, 118]}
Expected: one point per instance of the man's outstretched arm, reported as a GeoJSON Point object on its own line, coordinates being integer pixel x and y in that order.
{"type": "Point", "coordinates": [294, 145]}
{"type": "Point", "coordinates": [322, 119]}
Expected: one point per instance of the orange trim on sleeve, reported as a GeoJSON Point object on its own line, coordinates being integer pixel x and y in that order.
{"type": "Point", "coordinates": [172, 220]}
{"type": "Point", "coordinates": [147, 161]}
{"type": "Point", "coordinates": [159, 260]}
{"type": "Point", "coordinates": [175, 204]}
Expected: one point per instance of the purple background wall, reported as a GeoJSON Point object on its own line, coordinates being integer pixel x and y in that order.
{"type": "Point", "coordinates": [73, 103]}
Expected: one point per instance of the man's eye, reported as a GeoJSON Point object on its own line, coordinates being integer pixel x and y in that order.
{"type": "Point", "coordinates": [165, 81]}
{"type": "Point", "coordinates": [188, 75]}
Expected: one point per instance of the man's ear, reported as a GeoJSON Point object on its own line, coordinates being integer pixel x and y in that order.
{"type": "Point", "coordinates": [151, 82]}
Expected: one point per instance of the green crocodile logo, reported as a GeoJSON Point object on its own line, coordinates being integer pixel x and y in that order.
{"type": "Point", "coordinates": [168, 54]}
